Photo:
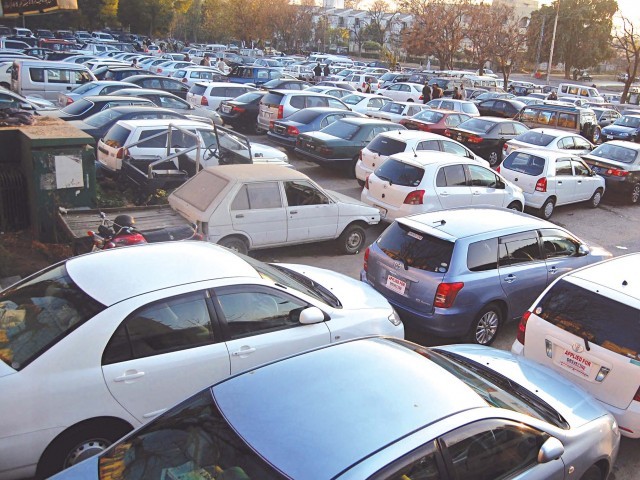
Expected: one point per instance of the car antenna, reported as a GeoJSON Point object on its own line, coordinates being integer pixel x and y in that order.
{"type": "Point", "coordinates": [441, 222]}
{"type": "Point", "coordinates": [415, 154]}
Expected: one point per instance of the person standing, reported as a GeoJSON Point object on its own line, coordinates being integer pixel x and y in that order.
{"type": "Point", "coordinates": [463, 93]}
{"type": "Point", "coordinates": [367, 88]}
{"type": "Point", "coordinates": [221, 65]}
{"type": "Point", "coordinates": [456, 94]}
{"type": "Point", "coordinates": [317, 71]}
{"type": "Point", "coordinates": [437, 92]}
{"type": "Point", "coordinates": [426, 92]}
{"type": "Point", "coordinates": [326, 72]}
{"type": "Point", "coordinates": [205, 61]}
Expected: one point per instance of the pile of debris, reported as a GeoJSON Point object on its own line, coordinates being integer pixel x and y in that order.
{"type": "Point", "coordinates": [15, 116]}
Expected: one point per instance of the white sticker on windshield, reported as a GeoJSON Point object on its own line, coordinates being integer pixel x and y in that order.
{"type": "Point", "coordinates": [415, 235]}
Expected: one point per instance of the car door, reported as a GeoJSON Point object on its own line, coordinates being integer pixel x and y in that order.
{"type": "Point", "coordinates": [486, 107]}
{"type": "Point", "coordinates": [262, 324]}
{"type": "Point", "coordinates": [163, 353]}
{"type": "Point", "coordinates": [484, 187]}
{"type": "Point", "coordinates": [522, 270]}
{"type": "Point", "coordinates": [452, 187]}
{"type": "Point", "coordinates": [560, 251]}
{"type": "Point", "coordinates": [565, 182]}
{"type": "Point", "coordinates": [257, 211]}
{"type": "Point", "coordinates": [393, 92]}
{"type": "Point", "coordinates": [586, 183]}
{"type": "Point", "coordinates": [311, 214]}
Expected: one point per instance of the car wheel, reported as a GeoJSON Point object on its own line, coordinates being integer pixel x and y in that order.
{"type": "Point", "coordinates": [635, 194]}
{"type": "Point", "coordinates": [354, 162]}
{"type": "Point", "coordinates": [495, 157]}
{"type": "Point", "coordinates": [485, 327]}
{"type": "Point", "coordinates": [515, 206]}
{"type": "Point", "coordinates": [547, 208]}
{"type": "Point", "coordinates": [594, 473]}
{"type": "Point", "coordinates": [596, 199]}
{"type": "Point", "coordinates": [596, 134]}
{"type": "Point", "coordinates": [352, 239]}
{"type": "Point", "coordinates": [78, 444]}
{"type": "Point", "coordinates": [236, 244]}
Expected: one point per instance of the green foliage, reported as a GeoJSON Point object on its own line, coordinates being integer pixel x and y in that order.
{"type": "Point", "coordinates": [371, 46]}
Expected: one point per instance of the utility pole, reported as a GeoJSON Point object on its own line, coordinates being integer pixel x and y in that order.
{"type": "Point", "coordinates": [544, 21]}
{"type": "Point", "coordinates": [553, 40]}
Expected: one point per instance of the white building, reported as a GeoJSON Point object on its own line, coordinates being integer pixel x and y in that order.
{"type": "Point", "coordinates": [522, 8]}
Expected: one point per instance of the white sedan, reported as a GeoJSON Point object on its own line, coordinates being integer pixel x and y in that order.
{"type": "Point", "coordinates": [551, 139]}
{"type": "Point", "coordinates": [170, 66]}
{"type": "Point", "coordinates": [101, 343]}
{"type": "Point", "coordinates": [365, 102]}
{"type": "Point", "coordinates": [403, 92]}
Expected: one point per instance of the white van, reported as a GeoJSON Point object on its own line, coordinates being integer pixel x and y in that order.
{"type": "Point", "coordinates": [586, 326]}
{"type": "Point", "coordinates": [587, 94]}
{"type": "Point", "coordinates": [43, 79]}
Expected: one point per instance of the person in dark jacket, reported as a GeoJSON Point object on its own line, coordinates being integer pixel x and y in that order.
{"type": "Point", "coordinates": [317, 71]}
{"type": "Point", "coordinates": [437, 92]}
{"type": "Point", "coordinates": [426, 93]}
{"type": "Point", "coordinates": [326, 72]}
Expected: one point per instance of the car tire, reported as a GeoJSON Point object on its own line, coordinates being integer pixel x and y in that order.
{"type": "Point", "coordinates": [547, 208]}
{"type": "Point", "coordinates": [236, 244]}
{"type": "Point", "coordinates": [596, 198]}
{"type": "Point", "coordinates": [495, 157]}
{"type": "Point", "coordinates": [515, 206]}
{"type": "Point", "coordinates": [593, 473]}
{"type": "Point", "coordinates": [596, 134]}
{"type": "Point", "coordinates": [484, 329]}
{"type": "Point", "coordinates": [352, 239]}
{"type": "Point", "coordinates": [354, 162]}
{"type": "Point", "coordinates": [79, 443]}
{"type": "Point", "coordinates": [634, 195]}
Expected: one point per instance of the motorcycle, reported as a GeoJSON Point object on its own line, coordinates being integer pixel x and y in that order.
{"type": "Point", "coordinates": [121, 232]}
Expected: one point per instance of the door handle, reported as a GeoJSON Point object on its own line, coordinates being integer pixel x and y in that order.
{"type": "Point", "coordinates": [129, 375]}
{"type": "Point", "coordinates": [559, 182]}
{"type": "Point", "coordinates": [239, 215]}
{"type": "Point", "coordinates": [579, 181]}
{"type": "Point", "coordinates": [243, 351]}
{"type": "Point", "coordinates": [443, 194]}
{"type": "Point", "coordinates": [293, 211]}
{"type": "Point", "coordinates": [510, 278]}
{"type": "Point", "coordinates": [475, 192]}
{"type": "Point", "coordinates": [553, 270]}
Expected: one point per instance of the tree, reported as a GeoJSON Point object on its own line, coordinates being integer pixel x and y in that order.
{"type": "Point", "coordinates": [438, 28]}
{"type": "Point", "coordinates": [378, 23]}
{"type": "Point", "coordinates": [626, 40]}
{"type": "Point", "coordinates": [510, 39]}
{"type": "Point", "coordinates": [353, 4]}
{"type": "Point", "coordinates": [480, 32]}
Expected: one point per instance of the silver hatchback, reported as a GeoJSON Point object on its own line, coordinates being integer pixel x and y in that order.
{"type": "Point", "coordinates": [464, 272]}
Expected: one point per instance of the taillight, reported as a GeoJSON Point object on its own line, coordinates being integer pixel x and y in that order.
{"type": "Point", "coordinates": [498, 169]}
{"type": "Point", "coordinates": [522, 326]}
{"type": "Point", "coordinates": [292, 131]}
{"type": "Point", "coordinates": [475, 139]}
{"type": "Point", "coordinates": [159, 70]}
{"type": "Point", "coordinates": [366, 260]}
{"type": "Point", "coordinates": [69, 101]}
{"type": "Point", "coordinates": [615, 172]}
{"type": "Point", "coordinates": [421, 97]}
{"type": "Point", "coordinates": [126, 240]}
{"type": "Point", "coordinates": [636, 397]}
{"type": "Point", "coordinates": [366, 182]}
{"type": "Point", "coordinates": [184, 80]}
{"type": "Point", "coordinates": [414, 198]}
{"type": "Point", "coordinates": [238, 109]}
{"type": "Point", "coordinates": [280, 111]}
{"type": "Point", "coordinates": [505, 147]}
{"type": "Point", "coordinates": [446, 294]}
{"type": "Point", "coordinates": [120, 153]}
{"type": "Point", "coordinates": [447, 133]}
{"type": "Point", "coordinates": [204, 101]}
{"type": "Point", "coordinates": [541, 185]}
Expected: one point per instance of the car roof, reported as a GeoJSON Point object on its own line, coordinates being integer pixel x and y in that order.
{"type": "Point", "coordinates": [622, 143]}
{"type": "Point", "coordinates": [143, 91]}
{"type": "Point", "coordinates": [257, 172]}
{"type": "Point", "coordinates": [126, 270]}
{"type": "Point", "coordinates": [412, 135]}
{"type": "Point", "coordinates": [368, 121]}
{"type": "Point", "coordinates": [422, 158]}
{"type": "Point", "coordinates": [205, 83]}
{"type": "Point", "coordinates": [163, 122]}
{"type": "Point", "coordinates": [619, 274]}
{"type": "Point", "coordinates": [108, 98]}
{"type": "Point", "coordinates": [335, 412]}
{"type": "Point", "coordinates": [545, 152]}
{"type": "Point", "coordinates": [553, 131]}
{"type": "Point", "coordinates": [465, 222]}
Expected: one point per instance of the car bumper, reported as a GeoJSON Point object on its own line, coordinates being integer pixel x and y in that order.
{"type": "Point", "coordinates": [288, 142]}
{"type": "Point", "coordinates": [338, 162]}
{"type": "Point", "coordinates": [608, 136]}
{"type": "Point", "coordinates": [628, 419]}
{"type": "Point", "coordinates": [535, 200]}
{"type": "Point", "coordinates": [362, 172]}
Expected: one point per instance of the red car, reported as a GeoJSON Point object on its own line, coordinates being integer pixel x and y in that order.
{"type": "Point", "coordinates": [435, 121]}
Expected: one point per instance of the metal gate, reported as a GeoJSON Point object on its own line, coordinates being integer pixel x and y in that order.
{"type": "Point", "coordinates": [14, 208]}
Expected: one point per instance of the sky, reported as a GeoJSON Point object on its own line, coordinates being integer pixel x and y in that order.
{"type": "Point", "coordinates": [629, 8]}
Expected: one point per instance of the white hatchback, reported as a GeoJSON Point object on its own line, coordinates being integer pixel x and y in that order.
{"type": "Point", "coordinates": [101, 343]}
{"type": "Point", "coordinates": [365, 102]}
{"type": "Point", "coordinates": [409, 183]}
{"type": "Point", "coordinates": [403, 92]}
{"type": "Point", "coordinates": [210, 94]}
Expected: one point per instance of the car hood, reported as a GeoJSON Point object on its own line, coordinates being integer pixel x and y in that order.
{"type": "Point", "coordinates": [574, 404]}
{"type": "Point", "coordinates": [618, 129]}
{"type": "Point", "coordinates": [352, 293]}
{"type": "Point", "coordinates": [263, 152]}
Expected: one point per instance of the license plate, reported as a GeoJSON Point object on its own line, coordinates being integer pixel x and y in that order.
{"type": "Point", "coordinates": [226, 108]}
{"type": "Point", "coordinates": [574, 363]}
{"type": "Point", "coordinates": [460, 138]}
{"type": "Point", "coordinates": [311, 146]}
{"type": "Point", "coordinates": [395, 284]}
{"type": "Point", "coordinates": [610, 137]}
{"type": "Point", "coordinates": [383, 211]}
{"type": "Point", "coordinates": [266, 114]}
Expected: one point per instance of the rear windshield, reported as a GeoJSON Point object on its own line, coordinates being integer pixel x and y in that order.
{"type": "Point", "coordinates": [352, 99]}
{"type": "Point", "coordinates": [384, 145]}
{"type": "Point", "coordinates": [198, 89]}
{"type": "Point", "coordinates": [416, 249]}
{"type": "Point", "coordinates": [83, 88]}
{"type": "Point", "coordinates": [393, 107]}
{"type": "Point", "coordinates": [272, 98]}
{"type": "Point", "coordinates": [615, 152]}
{"type": "Point", "coordinates": [36, 313]}
{"type": "Point", "coordinates": [524, 163]}
{"type": "Point", "coordinates": [430, 116]}
{"type": "Point", "coordinates": [592, 317]}
{"type": "Point", "coordinates": [304, 116]}
{"type": "Point", "coordinates": [341, 129]}
{"type": "Point", "coordinates": [400, 173]}
{"type": "Point", "coordinates": [78, 108]}
{"type": "Point", "coordinates": [535, 138]}
{"type": "Point", "coordinates": [101, 118]}
{"type": "Point", "coordinates": [201, 190]}
{"type": "Point", "coordinates": [117, 136]}
{"type": "Point", "coordinates": [477, 125]}
{"type": "Point", "coordinates": [249, 97]}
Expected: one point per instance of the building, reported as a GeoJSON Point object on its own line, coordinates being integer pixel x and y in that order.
{"type": "Point", "coordinates": [522, 8]}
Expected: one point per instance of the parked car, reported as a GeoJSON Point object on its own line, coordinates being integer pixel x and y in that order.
{"type": "Point", "coordinates": [250, 207]}
{"type": "Point", "coordinates": [339, 144]}
{"type": "Point", "coordinates": [619, 163]}
{"type": "Point", "coordinates": [397, 111]}
{"type": "Point", "coordinates": [593, 339]}
{"type": "Point", "coordinates": [498, 416]}
{"type": "Point", "coordinates": [403, 92]}
{"type": "Point", "coordinates": [503, 107]}
{"type": "Point", "coordinates": [285, 84]}
{"type": "Point", "coordinates": [337, 84]}
{"type": "Point", "coordinates": [242, 112]}
{"type": "Point", "coordinates": [171, 85]}
{"type": "Point", "coordinates": [528, 100]}
{"type": "Point", "coordinates": [9, 99]}
{"type": "Point", "coordinates": [280, 104]}
{"type": "Point", "coordinates": [129, 345]}
{"type": "Point", "coordinates": [91, 104]}
{"type": "Point", "coordinates": [389, 143]}
{"type": "Point", "coordinates": [624, 128]}
{"type": "Point", "coordinates": [365, 102]}
{"type": "Point", "coordinates": [333, 91]}
{"type": "Point", "coordinates": [210, 94]}
{"type": "Point", "coordinates": [605, 116]}
{"type": "Point", "coordinates": [285, 132]}
{"type": "Point", "coordinates": [411, 182]}
{"type": "Point", "coordinates": [434, 121]}
{"type": "Point", "coordinates": [168, 100]}
{"type": "Point", "coordinates": [550, 178]}
{"type": "Point", "coordinates": [389, 78]}
{"type": "Point", "coordinates": [169, 67]}
{"type": "Point", "coordinates": [190, 75]}
{"type": "Point", "coordinates": [492, 95]}
{"type": "Point", "coordinates": [452, 273]}
{"type": "Point", "coordinates": [486, 136]}
{"type": "Point", "coordinates": [571, 118]}
{"type": "Point", "coordinates": [256, 76]}
{"type": "Point", "coordinates": [359, 81]}
{"type": "Point", "coordinates": [558, 140]}
{"type": "Point", "coordinates": [100, 87]}
{"type": "Point", "coordinates": [461, 106]}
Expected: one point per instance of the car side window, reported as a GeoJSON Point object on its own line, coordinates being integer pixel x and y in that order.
{"type": "Point", "coordinates": [567, 120]}
{"type": "Point", "coordinates": [169, 325]}
{"type": "Point", "coordinates": [563, 166]}
{"type": "Point", "coordinates": [519, 248]}
{"type": "Point", "coordinates": [452, 147]}
{"type": "Point", "coordinates": [333, 103]}
{"type": "Point", "coordinates": [454, 176]}
{"type": "Point", "coordinates": [152, 83]}
{"type": "Point", "coordinates": [483, 255]}
{"type": "Point", "coordinates": [494, 449]}
{"type": "Point", "coordinates": [519, 128]}
{"type": "Point", "coordinates": [482, 177]}
{"type": "Point", "coordinates": [300, 193]}
{"type": "Point", "coordinates": [251, 311]}
{"type": "Point", "coordinates": [168, 102]}
{"type": "Point", "coordinates": [566, 143]}
{"type": "Point", "coordinates": [420, 464]}
{"type": "Point", "coordinates": [429, 145]}
{"type": "Point", "coordinates": [581, 143]}
{"type": "Point", "coordinates": [579, 168]}
{"type": "Point", "coordinates": [256, 196]}
{"type": "Point", "coordinates": [297, 102]}
{"type": "Point", "coordinates": [158, 142]}
{"type": "Point", "coordinates": [557, 243]}
{"type": "Point", "coordinates": [507, 128]}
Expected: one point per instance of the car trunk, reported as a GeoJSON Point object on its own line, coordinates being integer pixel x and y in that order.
{"type": "Point", "coordinates": [316, 144]}
{"type": "Point", "coordinates": [523, 170]}
{"type": "Point", "coordinates": [606, 167]}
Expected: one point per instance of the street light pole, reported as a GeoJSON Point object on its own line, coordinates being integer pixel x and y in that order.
{"type": "Point", "coordinates": [553, 40]}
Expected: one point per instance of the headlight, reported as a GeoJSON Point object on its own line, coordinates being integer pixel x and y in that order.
{"type": "Point", "coordinates": [624, 134]}
{"type": "Point", "coordinates": [394, 317]}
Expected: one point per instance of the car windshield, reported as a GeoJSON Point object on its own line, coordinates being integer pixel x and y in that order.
{"type": "Point", "coordinates": [494, 388]}
{"type": "Point", "coordinates": [476, 125]}
{"type": "Point", "coordinates": [304, 116]}
{"type": "Point", "coordinates": [78, 108]}
{"type": "Point", "coordinates": [615, 152]}
{"type": "Point", "coordinates": [393, 107]}
{"type": "Point", "coordinates": [37, 312]}
{"type": "Point", "coordinates": [430, 116]}
{"type": "Point", "coordinates": [627, 121]}
{"type": "Point", "coordinates": [101, 118]}
{"type": "Point", "coordinates": [191, 441]}
{"type": "Point", "coordinates": [486, 96]}
{"type": "Point", "coordinates": [83, 88]}
{"type": "Point", "coordinates": [249, 97]}
{"type": "Point", "coordinates": [341, 129]}
{"type": "Point", "coordinates": [353, 99]}
{"type": "Point", "coordinates": [532, 137]}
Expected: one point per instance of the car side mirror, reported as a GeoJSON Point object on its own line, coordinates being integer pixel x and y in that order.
{"type": "Point", "coordinates": [26, 106]}
{"type": "Point", "coordinates": [311, 315]}
{"type": "Point", "coordinates": [583, 250]}
{"type": "Point", "coordinates": [550, 450]}
{"type": "Point", "coordinates": [500, 185]}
